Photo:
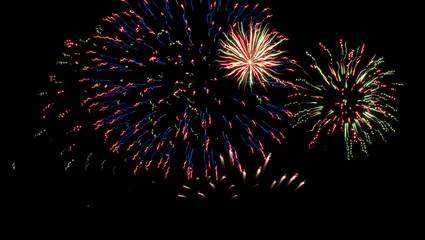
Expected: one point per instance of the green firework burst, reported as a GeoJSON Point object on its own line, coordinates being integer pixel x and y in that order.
{"type": "Point", "coordinates": [346, 94]}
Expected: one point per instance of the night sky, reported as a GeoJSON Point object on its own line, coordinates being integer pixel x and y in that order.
{"type": "Point", "coordinates": [381, 188]}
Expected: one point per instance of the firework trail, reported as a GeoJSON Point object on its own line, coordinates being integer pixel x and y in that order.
{"type": "Point", "coordinates": [348, 95]}
{"type": "Point", "coordinates": [256, 183]}
{"type": "Point", "coordinates": [152, 83]}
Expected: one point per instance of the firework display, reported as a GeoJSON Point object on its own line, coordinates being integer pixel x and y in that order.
{"type": "Point", "coordinates": [189, 99]}
{"type": "Point", "coordinates": [153, 82]}
{"type": "Point", "coordinates": [346, 94]}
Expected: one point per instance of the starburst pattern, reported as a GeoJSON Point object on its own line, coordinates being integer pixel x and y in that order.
{"type": "Point", "coordinates": [252, 56]}
{"type": "Point", "coordinates": [348, 95]}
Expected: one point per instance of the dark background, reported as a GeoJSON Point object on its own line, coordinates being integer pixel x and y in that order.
{"type": "Point", "coordinates": [381, 189]}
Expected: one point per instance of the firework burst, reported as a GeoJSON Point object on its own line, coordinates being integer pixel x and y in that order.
{"type": "Point", "coordinates": [251, 56]}
{"type": "Point", "coordinates": [149, 79]}
{"type": "Point", "coordinates": [348, 95]}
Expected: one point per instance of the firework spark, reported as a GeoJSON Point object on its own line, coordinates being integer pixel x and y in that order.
{"type": "Point", "coordinates": [347, 95]}
{"type": "Point", "coordinates": [251, 56]}
{"type": "Point", "coordinates": [256, 183]}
